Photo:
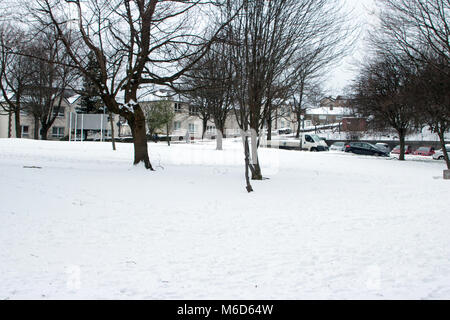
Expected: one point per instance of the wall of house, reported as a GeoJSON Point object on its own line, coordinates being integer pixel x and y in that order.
{"type": "Point", "coordinates": [58, 130]}
{"type": "Point", "coordinates": [3, 124]}
{"type": "Point", "coordinates": [61, 124]}
{"type": "Point", "coordinates": [354, 124]}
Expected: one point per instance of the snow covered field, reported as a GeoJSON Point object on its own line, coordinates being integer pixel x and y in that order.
{"type": "Point", "coordinates": [88, 224]}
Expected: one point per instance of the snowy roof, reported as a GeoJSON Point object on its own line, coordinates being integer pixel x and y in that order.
{"type": "Point", "coordinates": [160, 94]}
{"type": "Point", "coordinates": [330, 111]}
{"type": "Point", "coordinates": [73, 98]}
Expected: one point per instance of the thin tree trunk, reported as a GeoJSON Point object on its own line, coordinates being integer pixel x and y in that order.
{"type": "Point", "coordinates": [112, 131]}
{"type": "Point", "coordinates": [299, 112]}
{"type": "Point", "coordinates": [137, 125]}
{"type": "Point", "coordinates": [167, 134]}
{"type": "Point", "coordinates": [17, 123]}
{"type": "Point", "coordinates": [401, 135]}
{"type": "Point", "coordinates": [9, 124]}
{"type": "Point", "coordinates": [269, 128]}
{"type": "Point", "coordinates": [441, 134]}
{"type": "Point", "coordinates": [247, 165]}
{"type": "Point", "coordinates": [299, 123]}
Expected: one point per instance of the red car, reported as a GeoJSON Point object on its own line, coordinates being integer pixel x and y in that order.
{"type": "Point", "coordinates": [424, 151]}
{"type": "Point", "coordinates": [396, 150]}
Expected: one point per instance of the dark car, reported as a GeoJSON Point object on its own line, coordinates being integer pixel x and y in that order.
{"type": "Point", "coordinates": [364, 148]}
{"type": "Point", "coordinates": [424, 151]}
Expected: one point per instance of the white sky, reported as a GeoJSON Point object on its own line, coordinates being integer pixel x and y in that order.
{"type": "Point", "coordinates": [342, 75]}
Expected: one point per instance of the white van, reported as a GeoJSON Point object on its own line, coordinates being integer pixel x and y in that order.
{"type": "Point", "coordinates": [312, 142]}
{"type": "Point", "coordinates": [307, 141]}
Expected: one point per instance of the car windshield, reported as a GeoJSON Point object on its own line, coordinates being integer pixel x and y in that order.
{"type": "Point", "coordinates": [423, 149]}
{"type": "Point", "coordinates": [338, 144]}
{"type": "Point", "coordinates": [315, 138]}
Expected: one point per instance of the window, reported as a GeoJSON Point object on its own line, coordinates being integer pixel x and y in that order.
{"type": "Point", "coordinates": [211, 129]}
{"type": "Point", "coordinates": [193, 110]}
{"type": "Point", "coordinates": [192, 128]}
{"type": "Point", "coordinates": [25, 131]}
{"type": "Point", "coordinates": [58, 132]}
{"type": "Point", "coordinates": [60, 112]}
{"type": "Point", "coordinates": [322, 117]}
{"type": "Point", "coordinates": [176, 125]}
{"type": "Point", "coordinates": [177, 107]}
{"type": "Point", "coordinates": [338, 117]}
{"type": "Point", "coordinates": [282, 123]}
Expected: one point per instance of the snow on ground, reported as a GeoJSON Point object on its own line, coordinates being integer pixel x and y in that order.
{"type": "Point", "coordinates": [325, 225]}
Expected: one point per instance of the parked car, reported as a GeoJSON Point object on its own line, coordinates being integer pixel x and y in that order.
{"type": "Point", "coordinates": [284, 131]}
{"type": "Point", "coordinates": [383, 146]}
{"type": "Point", "coordinates": [424, 151]}
{"type": "Point", "coordinates": [439, 154]}
{"type": "Point", "coordinates": [338, 146]}
{"type": "Point", "coordinates": [396, 150]}
{"type": "Point", "coordinates": [364, 148]}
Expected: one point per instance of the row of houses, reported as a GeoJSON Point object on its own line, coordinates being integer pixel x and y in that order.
{"type": "Point", "coordinates": [186, 121]}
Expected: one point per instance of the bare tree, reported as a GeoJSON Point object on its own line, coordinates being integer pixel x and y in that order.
{"type": "Point", "coordinates": [51, 76]}
{"type": "Point", "coordinates": [420, 30]}
{"type": "Point", "coordinates": [415, 25]}
{"type": "Point", "coordinates": [135, 42]}
{"type": "Point", "coordinates": [15, 72]}
{"type": "Point", "coordinates": [209, 86]}
{"type": "Point", "coordinates": [266, 39]}
{"type": "Point", "coordinates": [431, 96]}
{"type": "Point", "coordinates": [383, 94]}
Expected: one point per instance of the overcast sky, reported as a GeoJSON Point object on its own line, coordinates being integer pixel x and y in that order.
{"type": "Point", "coordinates": [342, 75]}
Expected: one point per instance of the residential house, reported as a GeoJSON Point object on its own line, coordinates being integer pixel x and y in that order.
{"type": "Point", "coordinates": [330, 111]}
{"type": "Point", "coordinates": [66, 118]}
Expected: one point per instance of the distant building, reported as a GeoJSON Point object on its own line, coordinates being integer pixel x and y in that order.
{"type": "Point", "coordinates": [30, 127]}
{"type": "Point", "coordinates": [330, 111]}
{"type": "Point", "coordinates": [187, 121]}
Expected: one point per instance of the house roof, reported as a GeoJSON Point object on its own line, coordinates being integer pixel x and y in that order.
{"type": "Point", "coordinates": [160, 94]}
{"type": "Point", "coordinates": [73, 98]}
{"type": "Point", "coordinates": [328, 111]}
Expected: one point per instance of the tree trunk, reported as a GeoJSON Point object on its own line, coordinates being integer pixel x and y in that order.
{"type": "Point", "coordinates": [137, 125]}
{"type": "Point", "coordinates": [441, 134]}
{"type": "Point", "coordinates": [401, 135]}
{"type": "Point", "coordinates": [219, 140]}
{"type": "Point", "coordinates": [112, 131]}
{"type": "Point", "coordinates": [204, 124]}
{"type": "Point", "coordinates": [256, 172]}
{"type": "Point", "coordinates": [299, 123]}
{"type": "Point", "coordinates": [167, 134]}
{"type": "Point", "coordinates": [9, 124]}
{"type": "Point", "coordinates": [44, 132]}
{"type": "Point", "coordinates": [36, 129]}
{"type": "Point", "coordinates": [220, 129]}
{"type": "Point", "coordinates": [269, 129]}
{"type": "Point", "coordinates": [17, 123]}
{"type": "Point", "coordinates": [247, 164]}
{"type": "Point", "coordinates": [255, 167]}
